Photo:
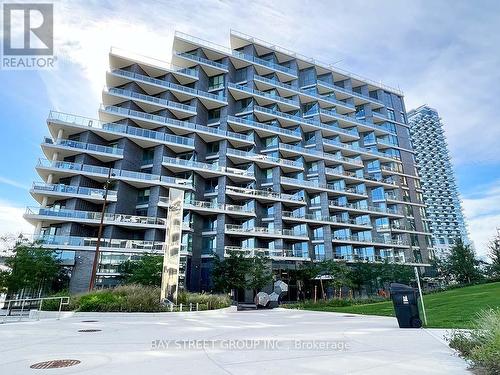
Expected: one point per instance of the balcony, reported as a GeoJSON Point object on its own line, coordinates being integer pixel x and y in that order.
{"type": "Point", "coordinates": [316, 186]}
{"type": "Point", "coordinates": [319, 154]}
{"type": "Point", "coordinates": [61, 191]}
{"type": "Point", "coordinates": [149, 103]}
{"type": "Point", "coordinates": [327, 220]}
{"type": "Point", "coordinates": [265, 160]}
{"type": "Point", "coordinates": [208, 134]}
{"type": "Point", "coordinates": [264, 195]}
{"type": "Point", "coordinates": [275, 254]}
{"type": "Point", "coordinates": [373, 210]}
{"type": "Point", "coordinates": [327, 100]}
{"type": "Point", "coordinates": [265, 130]}
{"type": "Point", "coordinates": [182, 93]}
{"type": "Point", "coordinates": [67, 147]}
{"type": "Point", "coordinates": [265, 232]}
{"type": "Point", "coordinates": [265, 66]}
{"type": "Point", "coordinates": [229, 209]}
{"type": "Point", "coordinates": [375, 241]}
{"type": "Point", "coordinates": [350, 121]}
{"type": "Point", "coordinates": [112, 131]}
{"type": "Point", "coordinates": [350, 93]}
{"type": "Point", "coordinates": [308, 124]}
{"type": "Point", "coordinates": [364, 177]}
{"type": "Point", "coordinates": [400, 259]}
{"type": "Point", "coordinates": [51, 215]}
{"type": "Point", "coordinates": [207, 169]}
{"type": "Point", "coordinates": [264, 97]}
{"type": "Point", "coordinates": [137, 179]}
{"type": "Point", "coordinates": [354, 149]}
{"type": "Point", "coordinates": [209, 66]}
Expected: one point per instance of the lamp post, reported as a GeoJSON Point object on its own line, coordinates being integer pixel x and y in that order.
{"type": "Point", "coordinates": [99, 233]}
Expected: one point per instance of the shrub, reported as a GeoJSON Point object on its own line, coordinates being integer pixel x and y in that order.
{"type": "Point", "coordinates": [205, 301]}
{"type": "Point", "coordinates": [481, 345]}
{"type": "Point", "coordinates": [341, 302]}
{"type": "Point", "coordinates": [53, 304]}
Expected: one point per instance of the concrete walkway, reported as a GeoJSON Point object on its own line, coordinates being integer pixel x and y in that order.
{"type": "Point", "coordinates": [226, 342]}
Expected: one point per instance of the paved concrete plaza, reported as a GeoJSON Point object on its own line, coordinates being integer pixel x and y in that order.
{"type": "Point", "coordinates": [276, 342]}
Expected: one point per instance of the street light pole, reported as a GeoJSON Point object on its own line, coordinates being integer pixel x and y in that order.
{"type": "Point", "coordinates": [99, 234]}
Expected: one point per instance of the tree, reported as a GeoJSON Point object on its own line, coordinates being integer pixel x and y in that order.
{"type": "Point", "coordinates": [260, 273]}
{"type": "Point", "coordinates": [461, 263]}
{"type": "Point", "coordinates": [230, 273]}
{"type": "Point", "coordinates": [146, 270]}
{"type": "Point", "coordinates": [494, 254]}
{"type": "Point", "coordinates": [31, 269]}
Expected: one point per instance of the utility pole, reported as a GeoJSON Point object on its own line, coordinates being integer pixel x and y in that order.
{"type": "Point", "coordinates": [99, 233]}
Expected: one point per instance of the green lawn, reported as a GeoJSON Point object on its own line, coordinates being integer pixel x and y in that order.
{"type": "Point", "coordinates": [450, 309]}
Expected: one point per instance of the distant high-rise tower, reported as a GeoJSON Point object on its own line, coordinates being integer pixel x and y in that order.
{"type": "Point", "coordinates": [444, 210]}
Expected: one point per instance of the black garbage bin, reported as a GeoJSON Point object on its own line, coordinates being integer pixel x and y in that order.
{"type": "Point", "coordinates": [405, 300]}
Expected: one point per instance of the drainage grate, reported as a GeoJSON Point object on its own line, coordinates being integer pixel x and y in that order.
{"type": "Point", "coordinates": [89, 330]}
{"type": "Point", "coordinates": [58, 363]}
{"type": "Point", "coordinates": [349, 316]}
{"type": "Point", "coordinates": [89, 321]}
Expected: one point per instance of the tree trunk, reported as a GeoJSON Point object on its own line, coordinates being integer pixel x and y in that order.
{"type": "Point", "coordinates": [322, 289]}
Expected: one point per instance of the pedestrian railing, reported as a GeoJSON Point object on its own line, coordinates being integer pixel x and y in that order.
{"type": "Point", "coordinates": [19, 308]}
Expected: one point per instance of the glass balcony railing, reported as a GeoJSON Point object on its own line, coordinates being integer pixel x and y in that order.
{"type": "Point", "coordinates": [358, 149]}
{"type": "Point", "coordinates": [276, 83]}
{"type": "Point", "coordinates": [374, 240]}
{"type": "Point", "coordinates": [104, 243]}
{"type": "Point", "coordinates": [117, 173]}
{"type": "Point", "coordinates": [354, 206]}
{"type": "Point", "coordinates": [301, 120]}
{"type": "Point", "coordinates": [274, 97]}
{"type": "Point", "coordinates": [265, 158]}
{"type": "Point", "coordinates": [340, 172]}
{"type": "Point", "coordinates": [321, 154]}
{"type": "Point", "coordinates": [264, 193]}
{"type": "Point", "coordinates": [330, 219]}
{"type": "Point", "coordinates": [268, 64]}
{"type": "Point", "coordinates": [68, 189]}
{"type": "Point", "coordinates": [349, 92]}
{"type": "Point", "coordinates": [167, 121]}
{"type": "Point", "coordinates": [328, 98]}
{"type": "Point", "coordinates": [259, 125]}
{"type": "Point", "coordinates": [369, 258]}
{"type": "Point", "coordinates": [316, 184]}
{"type": "Point", "coordinates": [151, 99]}
{"type": "Point", "coordinates": [219, 206]}
{"type": "Point", "coordinates": [263, 230]}
{"type": "Point", "coordinates": [202, 60]}
{"type": "Point", "coordinates": [272, 253]}
{"type": "Point", "coordinates": [207, 166]}
{"type": "Point", "coordinates": [84, 146]}
{"type": "Point", "coordinates": [95, 216]}
{"type": "Point", "coordinates": [169, 85]}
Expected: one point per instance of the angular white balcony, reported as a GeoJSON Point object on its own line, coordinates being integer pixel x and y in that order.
{"type": "Point", "coordinates": [343, 93]}
{"type": "Point", "coordinates": [316, 186]}
{"type": "Point", "coordinates": [71, 124]}
{"type": "Point", "coordinates": [210, 67]}
{"type": "Point", "coordinates": [325, 220]}
{"type": "Point", "coordinates": [182, 93]}
{"type": "Point", "coordinates": [275, 254]}
{"type": "Point", "coordinates": [313, 154]}
{"type": "Point", "coordinates": [360, 208]}
{"type": "Point", "coordinates": [364, 178]}
{"type": "Point", "coordinates": [137, 179]}
{"type": "Point", "coordinates": [106, 244]}
{"type": "Point", "coordinates": [67, 147]}
{"type": "Point", "coordinates": [53, 216]}
{"type": "Point", "coordinates": [365, 153]}
{"type": "Point", "coordinates": [148, 103]}
{"type": "Point", "coordinates": [208, 134]}
{"type": "Point", "coordinates": [308, 124]}
{"type": "Point", "coordinates": [53, 192]}
{"type": "Point", "coordinates": [204, 207]}
{"type": "Point", "coordinates": [264, 195]}
{"type": "Point", "coordinates": [262, 67]}
{"type": "Point", "coordinates": [264, 232]}
{"type": "Point", "coordinates": [264, 130]}
{"type": "Point", "coordinates": [264, 160]}
{"type": "Point", "coordinates": [119, 58]}
{"type": "Point", "coordinates": [375, 241]}
{"type": "Point", "coordinates": [262, 98]}
{"type": "Point", "coordinates": [207, 169]}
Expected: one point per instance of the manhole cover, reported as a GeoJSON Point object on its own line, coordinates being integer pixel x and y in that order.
{"type": "Point", "coordinates": [58, 363]}
{"type": "Point", "coordinates": [89, 321]}
{"type": "Point", "coordinates": [89, 330]}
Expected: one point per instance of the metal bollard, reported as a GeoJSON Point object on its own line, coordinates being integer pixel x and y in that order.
{"type": "Point", "coordinates": [190, 306]}
{"type": "Point", "coordinates": [180, 307]}
{"type": "Point", "coordinates": [197, 307]}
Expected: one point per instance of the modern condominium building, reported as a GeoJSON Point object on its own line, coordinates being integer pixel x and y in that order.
{"type": "Point", "coordinates": [276, 153]}
{"type": "Point", "coordinates": [445, 217]}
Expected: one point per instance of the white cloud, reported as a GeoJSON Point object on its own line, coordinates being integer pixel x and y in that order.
{"type": "Point", "coordinates": [10, 182]}
{"type": "Point", "coordinates": [483, 216]}
{"type": "Point", "coordinates": [12, 221]}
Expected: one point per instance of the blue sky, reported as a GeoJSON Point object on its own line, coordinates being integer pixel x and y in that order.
{"type": "Point", "coordinates": [443, 53]}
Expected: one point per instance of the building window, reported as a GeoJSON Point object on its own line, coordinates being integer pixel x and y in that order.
{"type": "Point", "coordinates": [390, 115]}
{"type": "Point", "coordinates": [319, 251]}
{"type": "Point", "coordinates": [216, 82]}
